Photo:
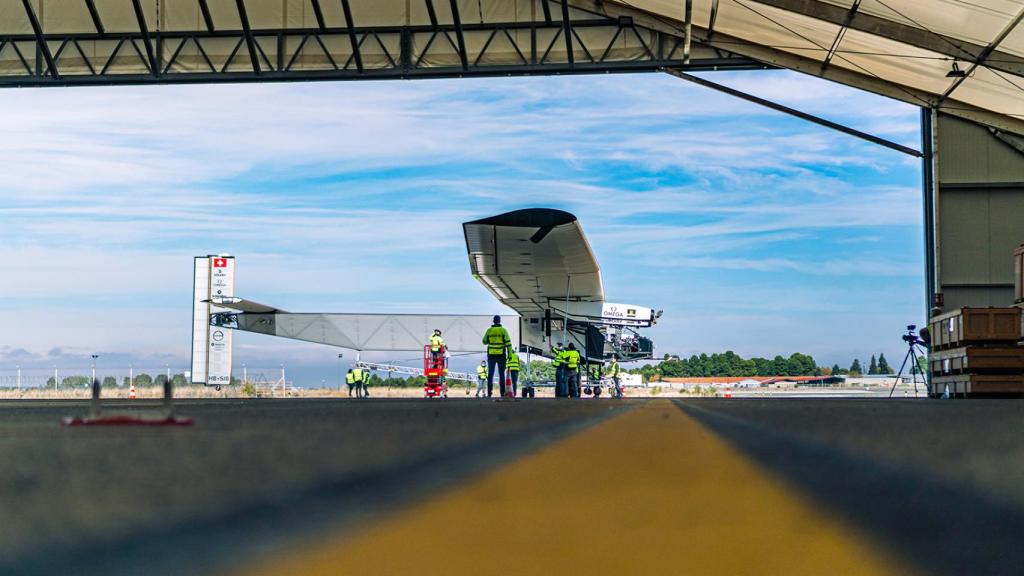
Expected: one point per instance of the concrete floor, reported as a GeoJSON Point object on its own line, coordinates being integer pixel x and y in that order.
{"type": "Point", "coordinates": [939, 483]}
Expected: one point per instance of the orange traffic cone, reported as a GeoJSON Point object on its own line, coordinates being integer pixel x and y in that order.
{"type": "Point", "coordinates": [728, 392]}
{"type": "Point", "coordinates": [131, 392]}
{"type": "Point", "coordinates": [508, 387]}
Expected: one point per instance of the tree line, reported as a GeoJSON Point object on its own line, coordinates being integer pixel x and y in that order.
{"type": "Point", "coordinates": [730, 364]}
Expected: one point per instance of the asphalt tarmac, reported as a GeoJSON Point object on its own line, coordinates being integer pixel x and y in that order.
{"type": "Point", "coordinates": [937, 484]}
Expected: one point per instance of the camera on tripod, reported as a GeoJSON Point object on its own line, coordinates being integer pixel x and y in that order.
{"type": "Point", "coordinates": [912, 338]}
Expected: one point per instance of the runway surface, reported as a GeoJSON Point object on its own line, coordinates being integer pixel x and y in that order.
{"type": "Point", "coordinates": [740, 486]}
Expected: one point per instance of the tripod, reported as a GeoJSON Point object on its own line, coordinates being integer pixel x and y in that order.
{"type": "Point", "coordinates": [911, 356]}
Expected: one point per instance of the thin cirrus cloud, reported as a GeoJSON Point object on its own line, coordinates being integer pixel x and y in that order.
{"type": "Point", "coordinates": [349, 197]}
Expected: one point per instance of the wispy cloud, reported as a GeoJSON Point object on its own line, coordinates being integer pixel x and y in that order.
{"type": "Point", "coordinates": [349, 197]}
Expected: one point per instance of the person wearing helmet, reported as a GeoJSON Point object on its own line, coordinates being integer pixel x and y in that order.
{"type": "Point", "coordinates": [498, 344]}
{"type": "Point", "coordinates": [436, 345]}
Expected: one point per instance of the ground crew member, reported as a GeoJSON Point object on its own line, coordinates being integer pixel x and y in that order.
{"type": "Point", "coordinates": [481, 377]}
{"type": "Point", "coordinates": [499, 344]}
{"type": "Point", "coordinates": [350, 379]}
{"type": "Point", "coordinates": [357, 379]}
{"type": "Point", "coordinates": [436, 345]}
{"type": "Point", "coordinates": [513, 372]}
{"type": "Point", "coordinates": [366, 383]}
{"type": "Point", "coordinates": [571, 358]}
{"type": "Point", "coordinates": [614, 370]}
{"type": "Point", "coordinates": [559, 365]}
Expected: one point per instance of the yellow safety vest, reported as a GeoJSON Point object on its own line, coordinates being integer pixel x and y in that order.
{"type": "Point", "coordinates": [513, 362]}
{"type": "Point", "coordinates": [436, 342]}
{"type": "Point", "coordinates": [557, 360]}
{"type": "Point", "coordinates": [366, 376]}
{"type": "Point", "coordinates": [350, 378]}
{"type": "Point", "coordinates": [357, 374]}
{"type": "Point", "coordinates": [572, 358]}
{"type": "Point", "coordinates": [481, 371]}
{"type": "Point", "coordinates": [497, 340]}
{"type": "Point", "coordinates": [614, 369]}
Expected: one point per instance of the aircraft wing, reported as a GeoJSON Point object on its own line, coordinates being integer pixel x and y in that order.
{"type": "Point", "coordinates": [527, 258]}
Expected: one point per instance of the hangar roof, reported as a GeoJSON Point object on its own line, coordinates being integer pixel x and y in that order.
{"type": "Point", "coordinates": [905, 49]}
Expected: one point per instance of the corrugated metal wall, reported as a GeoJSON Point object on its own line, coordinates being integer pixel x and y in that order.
{"type": "Point", "coordinates": [980, 214]}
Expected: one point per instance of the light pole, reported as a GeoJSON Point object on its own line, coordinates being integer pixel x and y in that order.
{"type": "Point", "coordinates": [94, 357]}
{"type": "Point", "coordinates": [245, 375]}
{"type": "Point", "coordinates": [19, 378]}
{"type": "Point", "coordinates": [55, 377]}
{"type": "Point", "coordinates": [341, 373]}
{"type": "Point", "coordinates": [168, 366]}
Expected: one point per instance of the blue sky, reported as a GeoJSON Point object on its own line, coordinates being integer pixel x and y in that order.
{"type": "Point", "coordinates": [754, 231]}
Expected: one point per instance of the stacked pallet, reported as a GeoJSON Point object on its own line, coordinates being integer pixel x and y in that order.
{"type": "Point", "coordinates": [976, 352]}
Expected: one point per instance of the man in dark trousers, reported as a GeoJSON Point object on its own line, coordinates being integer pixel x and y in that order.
{"type": "Point", "coordinates": [499, 344]}
{"type": "Point", "coordinates": [571, 358]}
{"type": "Point", "coordinates": [559, 363]}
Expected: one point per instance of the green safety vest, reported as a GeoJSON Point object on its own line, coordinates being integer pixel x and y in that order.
{"type": "Point", "coordinates": [614, 369]}
{"type": "Point", "coordinates": [557, 360]}
{"type": "Point", "coordinates": [357, 374]}
{"type": "Point", "coordinates": [436, 342]}
{"type": "Point", "coordinates": [481, 371]}
{"type": "Point", "coordinates": [572, 358]}
{"type": "Point", "coordinates": [497, 340]}
{"type": "Point", "coordinates": [350, 378]}
{"type": "Point", "coordinates": [513, 361]}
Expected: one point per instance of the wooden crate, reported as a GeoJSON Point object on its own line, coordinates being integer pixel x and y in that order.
{"type": "Point", "coordinates": [977, 359]}
{"type": "Point", "coordinates": [982, 326]}
{"type": "Point", "coordinates": [978, 384]}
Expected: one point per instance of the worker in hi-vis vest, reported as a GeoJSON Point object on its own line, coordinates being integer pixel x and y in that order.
{"type": "Point", "coordinates": [559, 364]}
{"type": "Point", "coordinates": [614, 370]}
{"type": "Point", "coordinates": [571, 357]}
{"type": "Point", "coordinates": [366, 383]}
{"type": "Point", "coordinates": [357, 378]}
{"type": "Point", "coordinates": [481, 378]}
{"type": "Point", "coordinates": [350, 379]}
{"type": "Point", "coordinates": [436, 345]}
{"type": "Point", "coordinates": [513, 372]}
{"type": "Point", "coordinates": [498, 346]}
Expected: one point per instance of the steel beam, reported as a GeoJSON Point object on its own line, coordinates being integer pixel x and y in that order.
{"type": "Point", "coordinates": [140, 17]}
{"type": "Point", "coordinates": [353, 40]}
{"type": "Point", "coordinates": [775, 58]}
{"type": "Point", "coordinates": [567, 32]}
{"type": "Point", "coordinates": [459, 36]}
{"type": "Point", "coordinates": [431, 13]}
{"type": "Point", "coordinates": [688, 30]}
{"type": "Point", "coordinates": [95, 15]}
{"type": "Point", "coordinates": [985, 54]}
{"type": "Point", "coordinates": [794, 112]}
{"type": "Point", "coordinates": [914, 36]}
{"type": "Point", "coordinates": [41, 45]}
{"type": "Point", "coordinates": [839, 35]}
{"type": "Point", "coordinates": [250, 42]}
{"type": "Point", "coordinates": [207, 18]}
{"type": "Point", "coordinates": [319, 14]}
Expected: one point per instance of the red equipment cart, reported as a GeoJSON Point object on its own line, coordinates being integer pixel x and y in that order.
{"type": "Point", "coordinates": [435, 368]}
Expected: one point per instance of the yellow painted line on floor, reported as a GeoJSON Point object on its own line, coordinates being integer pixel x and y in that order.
{"type": "Point", "coordinates": [648, 492]}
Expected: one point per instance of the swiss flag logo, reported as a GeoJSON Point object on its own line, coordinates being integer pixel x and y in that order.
{"type": "Point", "coordinates": [220, 262]}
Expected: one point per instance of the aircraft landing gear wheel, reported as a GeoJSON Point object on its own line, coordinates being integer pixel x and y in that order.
{"type": "Point", "coordinates": [587, 391]}
{"type": "Point", "coordinates": [597, 391]}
